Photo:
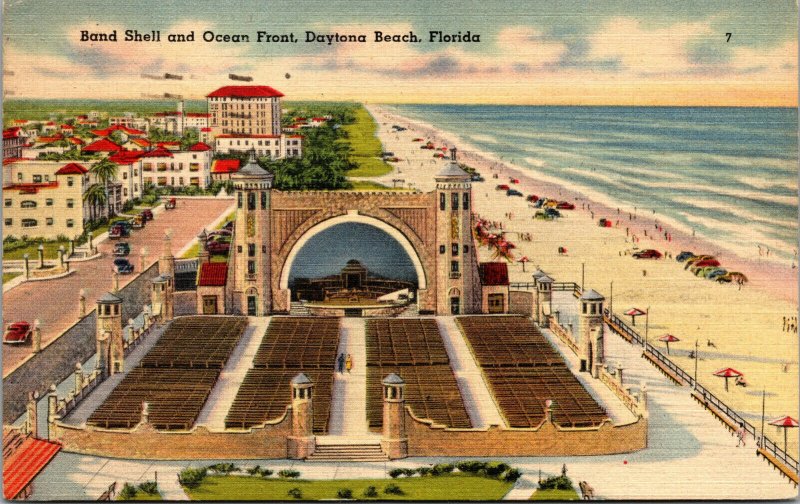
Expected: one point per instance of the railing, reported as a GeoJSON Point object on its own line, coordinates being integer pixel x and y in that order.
{"type": "Point", "coordinates": [620, 327]}
{"type": "Point", "coordinates": [185, 265]}
{"type": "Point", "coordinates": [563, 335]}
{"type": "Point", "coordinates": [633, 403]}
{"type": "Point", "coordinates": [555, 287]}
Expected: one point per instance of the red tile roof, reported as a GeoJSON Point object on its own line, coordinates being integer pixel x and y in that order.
{"type": "Point", "coordinates": [31, 188]}
{"type": "Point", "coordinates": [245, 92]}
{"type": "Point", "coordinates": [159, 152]}
{"type": "Point", "coordinates": [248, 136]}
{"type": "Point", "coordinates": [103, 145]}
{"type": "Point", "coordinates": [200, 146]}
{"type": "Point", "coordinates": [493, 273]}
{"type": "Point", "coordinates": [7, 161]}
{"type": "Point", "coordinates": [76, 140]}
{"type": "Point", "coordinates": [141, 142]}
{"type": "Point", "coordinates": [71, 169]}
{"type": "Point", "coordinates": [12, 132]}
{"type": "Point", "coordinates": [197, 114]}
{"type": "Point", "coordinates": [126, 157]}
{"type": "Point", "coordinates": [25, 463]}
{"type": "Point", "coordinates": [118, 127]}
{"type": "Point", "coordinates": [50, 139]}
{"type": "Point", "coordinates": [225, 166]}
{"type": "Point", "coordinates": [212, 274]}
{"type": "Point", "coordinates": [205, 130]}
{"type": "Point", "coordinates": [67, 126]}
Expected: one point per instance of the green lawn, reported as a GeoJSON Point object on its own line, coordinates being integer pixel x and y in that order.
{"type": "Point", "coordinates": [195, 248]}
{"type": "Point", "coordinates": [7, 277]}
{"type": "Point", "coordinates": [366, 185]}
{"type": "Point", "coordinates": [366, 146]}
{"type": "Point", "coordinates": [555, 495]}
{"type": "Point", "coordinates": [440, 488]}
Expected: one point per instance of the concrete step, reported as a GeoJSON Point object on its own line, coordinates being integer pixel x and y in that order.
{"type": "Point", "coordinates": [351, 452]}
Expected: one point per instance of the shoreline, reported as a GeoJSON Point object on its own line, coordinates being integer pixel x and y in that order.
{"type": "Point", "coordinates": [761, 273]}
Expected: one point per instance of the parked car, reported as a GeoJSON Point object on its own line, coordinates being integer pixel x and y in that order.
{"type": "Point", "coordinates": [514, 180]}
{"type": "Point", "coordinates": [513, 192]}
{"type": "Point", "coordinates": [220, 232]}
{"type": "Point", "coordinates": [147, 214]}
{"type": "Point", "coordinates": [119, 230]}
{"type": "Point", "coordinates": [502, 187]}
{"type": "Point", "coordinates": [532, 198]}
{"type": "Point", "coordinates": [229, 226]}
{"type": "Point", "coordinates": [218, 247]}
{"type": "Point", "coordinates": [123, 266]}
{"type": "Point", "coordinates": [138, 222]}
{"type": "Point", "coordinates": [604, 222]}
{"type": "Point", "coordinates": [714, 273]}
{"type": "Point", "coordinates": [17, 333]}
{"type": "Point", "coordinates": [648, 254]}
{"type": "Point", "coordinates": [476, 177]}
{"type": "Point", "coordinates": [542, 215]}
{"type": "Point", "coordinates": [565, 205]}
{"type": "Point", "coordinates": [552, 212]}
{"type": "Point", "coordinates": [122, 249]}
{"type": "Point", "coordinates": [683, 256]}
{"type": "Point", "coordinates": [170, 204]}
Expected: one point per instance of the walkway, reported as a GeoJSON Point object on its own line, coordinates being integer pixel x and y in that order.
{"type": "Point", "coordinates": [241, 360]}
{"type": "Point", "coordinates": [481, 408]}
{"type": "Point", "coordinates": [349, 400]}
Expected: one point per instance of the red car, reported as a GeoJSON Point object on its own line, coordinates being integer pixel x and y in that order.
{"type": "Point", "coordinates": [532, 198]}
{"type": "Point", "coordinates": [218, 247]}
{"type": "Point", "coordinates": [648, 254]}
{"type": "Point", "coordinates": [706, 262]}
{"type": "Point", "coordinates": [502, 187]}
{"type": "Point", "coordinates": [17, 333]}
{"type": "Point", "coordinates": [147, 215]}
{"type": "Point", "coordinates": [565, 205]}
{"type": "Point", "coordinates": [514, 181]}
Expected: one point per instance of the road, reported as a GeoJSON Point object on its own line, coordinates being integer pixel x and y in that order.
{"type": "Point", "coordinates": [55, 302]}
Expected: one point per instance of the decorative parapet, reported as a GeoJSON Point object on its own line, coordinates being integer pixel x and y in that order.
{"type": "Point", "coordinates": [637, 404]}
{"type": "Point", "coordinates": [563, 335]}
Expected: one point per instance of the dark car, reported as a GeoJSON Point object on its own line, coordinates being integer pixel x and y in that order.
{"type": "Point", "coordinates": [684, 256]}
{"type": "Point", "coordinates": [552, 212]}
{"type": "Point", "coordinates": [218, 247]}
{"type": "Point", "coordinates": [119, 230]}
{"type": "Point", "coordinates": [17, 333]}
{"type": "Point", "coordinates": [513, 192]}
{"type": "Point", "coordinates": [565, 205]}
{"type": "Point", "coordinates": [123, 266]}
{"type": "Point", "coordinates": [228, 225]}
{"type": "Point", "coordinates": [147, 215]}
{"type": "Point", "coordinates": [647, 254]}
{"type": "Point", "coordinates": [122, 249]}
{"type": "Point", "coordinates": [502, 187]}
{"type": "Point", "coordinates": [476, 177]}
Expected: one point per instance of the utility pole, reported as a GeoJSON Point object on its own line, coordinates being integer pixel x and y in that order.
{"type": "Point", "coordinates": [696, 358]}
{"type": "Point", "coordinates": [611, 301]}
{"type": "Point", "coordinates": [583, 274]}
{"type": "Point", "coordinates": [646, 326]}
{"type": "Point", "coordinates": [763, 403]}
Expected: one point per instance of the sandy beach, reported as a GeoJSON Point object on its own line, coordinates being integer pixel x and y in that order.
{"type": "Point", "coordinates": [745, 325]}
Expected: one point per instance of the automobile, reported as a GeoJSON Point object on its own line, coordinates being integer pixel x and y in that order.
{"type": "Point", "coordinates": [439, 155]}
{"type": "Point", "coordinates": [218, 247]}
{"type": "Point", "coordinates": [387, 154]}
{"type": "Point", "coordinates": [514, 180]}
{"type": "Point", "coordinates": [123, 266]}
{"type": "Point", "coordinates": [565, 205]}
{"type": "Point", "coordinates": [513, 192]}
{"type": "Point", "coordinates": [714, 273]}
{"type": "Point", "coordinates": [476, 177]}
{"type": "Point", "coordinates": [137, 222]}
{"type": "Point", "coordinates": [552, 212]}
{"type": "Point", "coordinates": [229, 226]}
{"type": "Point", "coordinates": [220, 232]}
{"type": "Point", "coordinates": [122, 249]}
{"type": "Point", "coordinates": [147, 214]}
{"type": "Point", "coordinates": [502, 187]}
{"type": "Point", "coordinates": [118, 230]}
{"type": "Point", "coordinates": [170, 204]}
{"type": "Point", "coordinates": [418, 140]}
{"type": "Point", "coordinates": [604, 223]}
{"type": "Point", "coordinates": [532, 198]}
{"type": "Point", "coordinates": [17, 333]}
{"type": "Point", "coordinates": [697, 258]}
{"type": "Point", "coordinates": [684, 255]}
{"type": "Point", "coordinates": [647, 254]}
{"type": "Point", "coordinates": [393, 159]}
{"type": "Point", "coordinates": [538, 203]}
{"type": "Point", "coordinates": [542, 215]}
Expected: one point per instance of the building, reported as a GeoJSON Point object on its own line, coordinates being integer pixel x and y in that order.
{"type": "Point", "coordinates": [129, 174]}
{"type": "Point", "coordinates": [162, 167]}
{"type": "Point", "coordinates": [13, 141]}
{"type": "Point", "coordinates": [494, 287]}
{"type": "Point", "coordinates": [223, 169]}
{"type": "Point", "coordinates": [245, 110]}
{"type": "Point", "coordinates": [271, 146]}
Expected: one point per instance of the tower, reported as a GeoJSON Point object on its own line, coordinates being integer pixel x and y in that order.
{"type": "Point", "coordinates": [536, 276]}
{"type": "Point", "coordinates": [544, 299]}
{"type": "Point", "coordinates": [110, 352]}
{"type": "Point", "coordinates": [591, 344]}
{"type": "Point", "coordinates": [456, 264]}
{"type": "Point", "coordinates": [161, 297]}
{"type": "Point", "coordinates": [203, 256]}
{"type": "Point", "coordinates": [394, 440]}
{"type": "Point", "coordinates": [251, 252]}
{"type": "Point", "coordinates": [301, 443]}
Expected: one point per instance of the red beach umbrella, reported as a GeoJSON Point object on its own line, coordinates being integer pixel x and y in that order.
{"type": "Point", "coordinates": [523, 260]}
{"type": "Point", "coordinates": [785, 423]}
{"type": "Point", "coordinates": [633, 313]}
{"type": "Point", "coordinates": [668, 338]}
{"type": "Point", "coordinates": [727, 373]}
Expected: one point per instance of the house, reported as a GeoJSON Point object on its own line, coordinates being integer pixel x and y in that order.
{"type": "Point", "coordinates": [13, 140]}
{"type": "Point", "coordinates": [222, 169]}
{"type": "Point", "coordinates": [271, 146]}
{"type": "Point", "coordinates": [104, 145]}
{"type": "Point", "coordinates": [130, 173]}
{"type": "Point", "coordinates": [494, 287]}
{"type": "Point", "coordinates": [163, 167]}
{"type": "Point", "coordinates": [212, 278]}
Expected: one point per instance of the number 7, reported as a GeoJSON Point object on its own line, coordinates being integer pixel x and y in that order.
{"type": "Point", "coordinates": [729, 37]}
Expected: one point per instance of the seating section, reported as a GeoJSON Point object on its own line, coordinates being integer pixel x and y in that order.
{"type": "Point", "coordinates": [524, 370]}
{"type": "Point", "coordinates": [291, 345]}
{"type": "Point", "coordinates": [176, 376]}
{"type": "Point", "coordinates": [412, 349]}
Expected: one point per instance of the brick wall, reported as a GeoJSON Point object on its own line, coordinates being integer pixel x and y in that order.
{"type": "Point", "coordinates": [521, 303]}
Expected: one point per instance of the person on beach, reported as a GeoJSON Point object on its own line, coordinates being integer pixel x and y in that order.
{"type": "Point", "coordinates": [741, 434]}
{"type": "Point", "coordinates": [349, 363]}
{"type": "Point", "coordinates": [341, 363]}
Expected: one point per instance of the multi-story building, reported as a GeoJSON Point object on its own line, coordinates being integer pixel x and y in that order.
{"type": "Point", "coordinates": [177, 121]}
{"type": "Point", "coordinates": [272, 146]}
{"type": "Point", "coordinates": [129, 173]}
{"type": "Point", "coordinates": [13, 141]}
{"type": "Point", "coordinates": [162, 167]}
{"type": "Point", "coordinates": [245, 110]}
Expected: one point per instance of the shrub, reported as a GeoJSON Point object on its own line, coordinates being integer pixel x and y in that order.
{"type": "Point", "coordinates": [223, 468]}
{"type": "Point", "coordinates": [512, 475]}
{"type": "Point", "coordinates": [396, 473]}
{"type": "Point", "coordinates": [409, 472]}
{"type": "Point", "coordinates": [344, 493]}
{"type": "Point", "coordinates": [254, 471]}
{"type": "Point", "coordinates": [370, 491]}
{"type": "Point", "coordinates": [295, 493]}
{"type": "Point", "coordinates": [149, 487]}
{"type": "Point", "coordinates": [495, 469]}
{"type": "Point", "coordinates": [288, 473]}
{"type": "Point", "coordinates": [393, 489]}
{"type": "Point", "coordinates": [440, 469]}
{"type": "Point", "coordinates": [192, 477]}
{"type": "Point", "coordinates": [470, 466]}
{"type": "Point", "coordinates": [128, 492]}
{"type": "Point", "coordinates": [265, 473]}
{"type": "Point", "coordinates": [424, 471]}
{"type": "Point", "coordinates": [556, 482]}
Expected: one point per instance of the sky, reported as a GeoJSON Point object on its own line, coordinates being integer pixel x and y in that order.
{"type": "Point", "coordinates": [555, 52]}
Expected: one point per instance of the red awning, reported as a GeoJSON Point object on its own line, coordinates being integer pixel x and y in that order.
{"type": "Point", "coordinates": [25, 463]}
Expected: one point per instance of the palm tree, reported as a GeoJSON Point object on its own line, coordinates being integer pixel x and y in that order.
{"type": "Point", "coordinates": [105, 171]}
{"type": "Point", "coordinates": [95, 195]}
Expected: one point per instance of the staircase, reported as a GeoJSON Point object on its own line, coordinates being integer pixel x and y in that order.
{"type": "Point", "coordinates": [370, 452]}
{"type": "Point", "coordinates": [299, 308]}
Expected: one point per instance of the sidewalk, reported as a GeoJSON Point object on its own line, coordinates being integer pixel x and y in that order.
{"type": "Point", "coordinates": [348, 416]}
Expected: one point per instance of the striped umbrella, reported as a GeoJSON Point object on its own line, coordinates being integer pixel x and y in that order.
{"type": "Point", "coordinates": [785, 423]}
{"type": "Point", "coordinates": [727, 373]}
{"type": "Point", "coordinates": [633, 313]}
{"type": "Point", "coordinates": [668, 338]}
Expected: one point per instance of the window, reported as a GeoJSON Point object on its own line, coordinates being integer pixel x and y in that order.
{"type": "Point", "coordinates": [496, 302]}
{"type": "Point", "coordinates": [455, 250]}
{"type": "Point", "coordinates": [19, 177]}
{"type": "Point", "coordinates": [29, 223]}
{"type": "Point", "coordinates": [264, 249]}
{"type": "Point", "coordinates": [70, 182]}
{"type": "Point", "coordinates": [251, 201]}
{"type": "Point", "coordinates": [162, 181]}
{"type": "Point", "coordinates": [135, 172]}
{"type": "Point", "coordinates": [8, 222]}
{"type": "Point", "coordinates": [125, 192]}
{"type": "Point", "coordinates": [442, 201]}
{"type": "Point", "coordinates": [442, 249]}
{"type": "Point", "coordinates": [37, 179]}
{"type": "Point", "coordinates": [263, 200]}
{"type": "Point", "coordinates": [466, 249]}
{"type": "Point", "coordinates": [193, 166]}
{"type": "Point", "coordinates": [239, 249]}
{"type": "Point", "coordinates": [195, 181]}
{"type": "Point", "coordinates": [453, 266]}
{"type": "Point", "coordinates": [455, 201]}
{"type": "Point", "coordinates": [124, 175]}
{"type": "Point", "coordinates": [146, 167]}
{"type": "Point", "coordinates": [70, 203]}
{"type": "Point", "coordinates": [161, 166]}
{"type": "Point", "coordinates": [466, 201]}
{"type": "Point", "coordinates": [8, 202]}
{"type": "Point", "coordinates": [28, 204]}
{"type": "Point", "coordinates": [180, 180]}
{"type": "Point", "coordinates": [251, 250]}
{"type": "Point", "coordinates": [240, 201]}
{"type": "Point", "coordinates": [251, 267]}
{"type": "Point", "coordinates": [172, 181]}
{"type": "Point", "coordinates": [49, 221]}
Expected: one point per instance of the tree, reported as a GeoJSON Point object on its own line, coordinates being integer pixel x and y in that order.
{"type": "Point", "coordinates": [105, 171]}
{"type": "Point", "coordinates": [117, 137]}
{"type": "Point", "coordinates": [95, 196]}
{"type": "Point", "coordinates": [190, 137]}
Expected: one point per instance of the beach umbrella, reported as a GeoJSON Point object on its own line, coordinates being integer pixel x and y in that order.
{"type": "Point", "coordinates": [523, 260]}
{"type": "Point", "coordinates": [785, 423]}
{"type": "Point", "coordinates": [727, 373]}
{"type": "Point", "coordinates": [633, 313]}
{"type": "Point", "coordinates": [668, 338]}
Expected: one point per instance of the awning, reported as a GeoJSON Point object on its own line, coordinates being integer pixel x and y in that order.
{"type": "Point", "coordinates": [25, 463]}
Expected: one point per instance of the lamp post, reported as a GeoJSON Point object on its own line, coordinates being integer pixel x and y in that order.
{"type": "Point", "coordinates": [646, 326]}
{"type": "Point", "coordinates": [41, 255]}
{"type": "Point", "coordinates": [611, 301]}
{"type": "Point", "coordinates": [696, 358]}
{"type": "Point", "coordinates": [583, 273]}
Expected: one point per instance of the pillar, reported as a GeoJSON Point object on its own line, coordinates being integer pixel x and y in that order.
{"type": "Point", "coordinates": [591, 344]}
{"type": "Point", "coordinates": [394, 440]}
{"type": "Point", "coordinates": [61, 256]}
{"type": "Point", "coordinates": [40, 250]}
{"type": "Point", "coordinates": [619, 375]}
{"type": "Point", "coordinates": [78, 378]}
{"type": "Point", "coordinates": [302, 443]}
{"type": "Point", "coordinates": [544, 290]}
{"type": "Point", "coordinates": [161, 296]}
{"type": "Point", "coordinates": [110, 350]}
{"type": "Point", "coordinates": [32, 414]}
{"type": "Point", "coordinates": [166, 262]}
{"type": "Point", "coordinates": [37, 336]}
{"type": "Point", "coordinates": [52, 415]}
{"type": "Point", "coordinates": [82, 303]}
{"type": "Point", "coordinates": [27, 270]}
{"type": "Point", "coordinates": [145, 413]}
{"type": "Point", "coordinates": [203, 255]}
{"type": "Point", "coordinates": [548, 411]}
{"type": "Point", "coordinates": [115, 282]}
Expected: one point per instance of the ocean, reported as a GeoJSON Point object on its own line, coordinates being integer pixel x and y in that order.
{"type": "Point", "coordinates": [728, 174]}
